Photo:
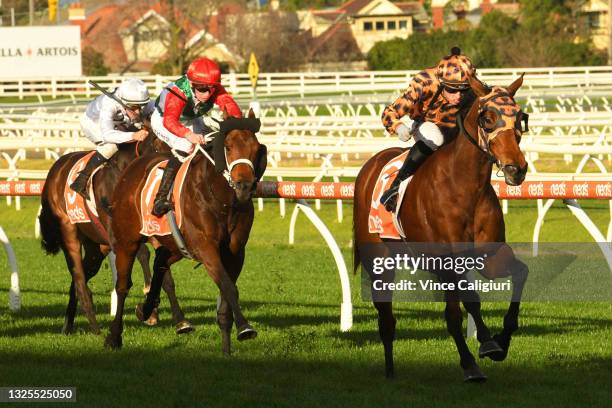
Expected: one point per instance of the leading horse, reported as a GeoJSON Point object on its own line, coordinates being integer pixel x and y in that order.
{"type": "Point", "coordinates": [462, 207]}
{"type": "Point", "coordinates": [217, 214]}
{"type": "Point", "coordinates": [59, 234]}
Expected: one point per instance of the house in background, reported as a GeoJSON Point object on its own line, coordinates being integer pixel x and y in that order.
{"type": "Point", "coordinates": [593, 22]}
{"type": "Point", "coordinates": [351, 30]}
{"type": "Point", "coordinates": [465, 14]}
{"type": "Point", "coordinates": [132, 38]}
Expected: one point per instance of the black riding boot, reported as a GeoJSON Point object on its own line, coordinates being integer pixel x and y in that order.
{"type": "Point", "coordinates": [163, 201]}
{"type": "Point", "coordinates": [417, 155]}
{"type": "Point", "coordinates": [80, 184]}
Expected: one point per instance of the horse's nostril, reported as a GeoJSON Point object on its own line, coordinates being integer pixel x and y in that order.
{"type": "Point", "coordinates": [243, 185]}
{"type": "Point", "coordinates": [512, 170]}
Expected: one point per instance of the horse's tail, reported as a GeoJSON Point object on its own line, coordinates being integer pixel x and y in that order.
{"type": "Point", "coordinates": [49, 226]}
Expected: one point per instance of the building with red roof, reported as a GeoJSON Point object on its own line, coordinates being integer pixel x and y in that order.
{"type": "Point", "coordinates": [132, 37]}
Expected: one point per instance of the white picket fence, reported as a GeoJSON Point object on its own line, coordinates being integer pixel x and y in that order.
{"type": "Point", "coordinates": [567, 80]}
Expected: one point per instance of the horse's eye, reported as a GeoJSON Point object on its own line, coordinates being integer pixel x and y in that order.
{"type": "Point", "coordinates": [487, 122]}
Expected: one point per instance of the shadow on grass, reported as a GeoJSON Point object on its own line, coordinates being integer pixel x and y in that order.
{"type": "Point", "coordinates": [174, 377]}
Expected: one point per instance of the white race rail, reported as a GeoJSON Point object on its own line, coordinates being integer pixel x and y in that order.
{"type": "Point", "coordinates": [14, 292]}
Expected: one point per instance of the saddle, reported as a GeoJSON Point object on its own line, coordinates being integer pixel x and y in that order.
{"type": "Point", "coordinates": [77, 209]}
{"type": "Point", "coordinates": [152, 225]}
{"type": "Point", "coordinates": [381, 221]}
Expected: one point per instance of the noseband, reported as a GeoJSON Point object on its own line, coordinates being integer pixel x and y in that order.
{"type": "Point", "coordinates": [227, 172]}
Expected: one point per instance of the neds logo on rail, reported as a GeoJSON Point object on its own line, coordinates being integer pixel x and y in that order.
{"type": "Point", "coordinates": [14, 52]}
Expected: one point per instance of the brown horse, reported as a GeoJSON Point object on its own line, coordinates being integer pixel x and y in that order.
{"type": "Point", "coordinates": [461, 208]}
{"type": "Point", "coordinates": [58, 233]}
{"type": "Point", "coordinates": [217, 220]}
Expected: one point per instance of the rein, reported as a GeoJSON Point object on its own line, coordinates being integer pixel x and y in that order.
{"type": "Point", "coordinates": [490, 158]}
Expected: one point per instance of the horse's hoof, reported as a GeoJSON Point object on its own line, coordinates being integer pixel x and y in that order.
{"type": "Point", "coordinates": [184, 326]}
{"type": "Point", "coordinates": [246, 332]}
{"type": "Point", "coordinates": [113, 343]}
{"type": "Point", "coordinates": [500, 355]}
{"type": "Point", "coordinates": [474, 374]}
{"type": "Point", "coordinates": [67, 329]}
{"type": "Point", "coordinates": [143, 313]}
{"type": "Point", "coordinates": [488, 348]}
{"type": "Point", "coordinates": [153, 319]}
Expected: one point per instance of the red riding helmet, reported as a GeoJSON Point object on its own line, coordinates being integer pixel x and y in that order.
{"type": "Point", "coordinates": [204, 71]}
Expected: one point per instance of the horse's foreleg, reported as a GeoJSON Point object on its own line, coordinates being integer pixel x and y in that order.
{"type": "Point", "coordinates": [502, 264]}
{"type": "Point", "coordinates": [229, 291]}
{"type": "Point", "coordinates": [454, 318]}
{"type": "Point", "coordinates": [225, 320]}
{"type": "Point", "coordinates": [181, 325]}
{"type": "Point", "coordinates": [488, 346]}
{"type": "Point", "coordinates": [519, 272]}
{"type": "Point", "coordinates": [160, 267]}
{"type": "Point", "coordinates": [233, 262]}
{"type": "Point", "coordinates": [124, 262]}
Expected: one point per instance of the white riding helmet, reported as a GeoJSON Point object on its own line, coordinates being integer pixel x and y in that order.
{"type": "Point", "coordinates": [133, 91]}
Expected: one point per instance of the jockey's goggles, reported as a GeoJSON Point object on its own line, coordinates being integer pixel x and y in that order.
{"type": "Point", "coordinates": [204, 88]}
{"type": "Point", "coordinates": [134, 107]}
{"type": "Point", "coordinates": [454, 88]}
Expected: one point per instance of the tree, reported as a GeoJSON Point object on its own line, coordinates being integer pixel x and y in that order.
{"type": "Point", "coordinates": [545, 35]}
{"type": "Point", "coordinates": [389, 55]}
{"type": "Point", "coordinates": [93, 62]}
{"type": "Point", "coordinates": [487, 43]}
{"type": "Point", "coordinates": [273, 36]}
{"type": "Point", "coordinates": [181, 16]}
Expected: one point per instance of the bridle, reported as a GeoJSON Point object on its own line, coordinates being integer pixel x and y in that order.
{"type": "Point", "coordinates": [227, 173]}
{"type": "Point", "coordinates": [483, 130]}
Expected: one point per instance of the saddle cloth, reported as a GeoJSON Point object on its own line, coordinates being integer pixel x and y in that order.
{"type": "Point", "coordinates": [381, 221]}
{"type": "Point", "coordinates": [152, 225]}
{"type": "Point", "coordinates": [75, 204]}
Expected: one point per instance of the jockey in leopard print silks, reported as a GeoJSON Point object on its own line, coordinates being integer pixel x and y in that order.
{"type": "Point", "coordinates": [432, 101]}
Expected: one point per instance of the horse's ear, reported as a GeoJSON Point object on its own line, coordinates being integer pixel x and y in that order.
{"type": "Point", "coordinates": [478, 87]}
{"type": "Point", "coordinates": [251, 114]}
{"type": "Point", "coordinates": [516, 85]}
{"type": "Point", "coordinates": [225, 114]}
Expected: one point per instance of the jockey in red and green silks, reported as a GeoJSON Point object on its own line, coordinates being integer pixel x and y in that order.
{"type": "Point", "coordinates": [179, 115]}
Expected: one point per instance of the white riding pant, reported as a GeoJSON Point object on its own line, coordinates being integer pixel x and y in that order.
{"type": "Point", "coordinates": [175, 142]}
{"type": "Point", "coordinates": [92, 132]}
{"type": "Point", "coordinates": [429, 133]}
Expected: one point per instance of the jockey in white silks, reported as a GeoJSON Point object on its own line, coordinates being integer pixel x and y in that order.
{"type": "Point", "coordinates": [105, 123]}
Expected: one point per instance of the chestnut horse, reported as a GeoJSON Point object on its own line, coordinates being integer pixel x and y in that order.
{"type": "Point", "coordinates": [462, 208]}
{"type": "Point", "coordinates": [217, 214]}
{"type": "Point", "coordinates": [58, 233]}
